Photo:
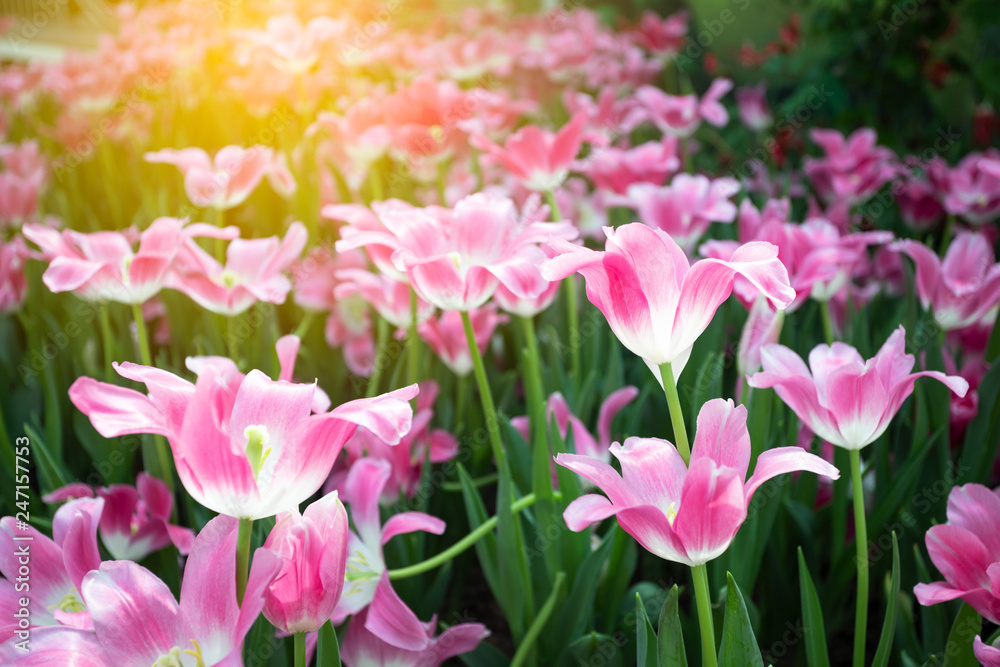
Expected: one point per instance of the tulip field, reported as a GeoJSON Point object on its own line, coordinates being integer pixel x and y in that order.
{"type": "Point", "coordinates": [411, 333]}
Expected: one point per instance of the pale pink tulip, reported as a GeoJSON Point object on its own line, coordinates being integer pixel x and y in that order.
{"type": "Point", "coordinates": [289, 46]}
{"type": "Point", "coordinates": [663, 36]}
{"type": "Point", "coordinates": [13, 284]}
{"type": "Point", "coordinates": [687, 207]}
{"type": "Point", "coordinates": [362, 490]}
{"type": "Point", "coordinates": [973, 191]}
{"type": "Point", "coordinates": [685, 514]}
{"type": "Point", "coordinates": [853, 169]}
{"type": "Point", "coordinates": [846, 400]}
{"type": "Point", "coordinates": [254, 271]}
{"type": "Point", "coordinates": [56, 565]}
{"type": "Point", "coordinates": [987, 655]}
{"type": "Point", "coordinates": [753, 109]}
{"type": "Point", "coordinates": [615, 169]}
{"type": "Point", "coordinates": [540, 160]}
{"type": "Point", "coordinates": [445, 335]}
{"type": "Point", "coordinates": [102, 266]}
{"type": "Point", "coordinates": [763, 327]}
{"type": "Point", "coordinates": [966, 551]}
{"type": "Point", "coordinates": [389, 633]}
{"type": "Point", "coordinates": [349, 327]}
{"type": "Point", "coordinates": [312, 547]}
{"type": "Point", "coordinates": [54, 645]}
{"type": "Point", "coordinates": [314, 276]}
{"type": "Point", "coordinates": [135, 520]}
{"type": "Point", "coordinates": [388, 296]}
{"type": "Point", "coordinates": [656, 302]}
{"type": "Point", "coordinates": [222, 182]}
{"type": "Point", "coordinates": [243, 446]}
{"type": "Point", "coordinates": [23, 180]}
{"type": "Point", "coordinates": [511, 303]}
{"type": "Point", "coordinates": [208, 622]}
{"type": "Point", "coordinates": [682, 115]}
{"type": "Point", "coordinates": [963, 287]}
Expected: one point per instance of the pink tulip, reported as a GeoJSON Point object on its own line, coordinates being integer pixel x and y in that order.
{"type": "Point", "coordinates": [763, 327]}
{"type": "Point", "coordinates": [349, 327]}
{"type": "Point", "coordinates": [966, 551]}
{"type": "Point", "coordinates": [583, 442]}
{"type": "Point", "coordinates": [314, 276]}
{"type": "Point", "coordinates": [457, 261]}
{"type": "Point", "coordinates": [208, 622]}
{"type": "Point", "coordinates": [13, 284]}
{"type": "Point", "coordinates": [752, 105]}
{"type": "Point", "coordinates": [312, 547]}
{"type": "Point", "coordinates": [988, 656]}
{"type": "Point", "coordinates": [663, 36]}
{"type": "Point", "coordinates": [374, 229]}
{"type": "Point", "coordinates": [243, 446]}
{"type": "Point", "coordinates": [254, 271]}
{"type": "Point", "coordinates": [289, 46]}
{"type": "Point", "coordinates": [615, 169]}
{"type": "Point", "coordinates": [362, 490]}
{"type": "Point", "coordinates": [963, 287]}
{"type": "Point", "coordinates": [685, 514]}
{"type": "Point", "coordinates": [973, 191]}
{"type": "Point", "coordinates": [135, 520]}
{"type": "Point", "coordinates": [222, 182]}
{"type": "Point", "coordinates": [418, 445]}
{"type": "Point", "coordinates": [853, 169]}
{"type": "Point", "coordinates": [607, 116]}
{"type": "Point", "coordinates": [388, 296]}
{"type": "Point", "coordinates": [539, 159]}
{"type": "Point", "coordinates": [529, 307]}
{"type": "Point", "coordinates": [445, 335]}
{"type": "Point", "coordinates": [687, 207]}
{"type": "Point", "coordinates": [846, 400]}
{"type": "Point", "coordinates": [57, 567]}
{"type": "Point", "coordinates": [656, 302]}
{"type": "Point", "coordinates": [681, 115]}
{"type": "Point", "coordinates": [389, 633]}
{"type": "Point", "coordinates": [103, 266]}
{"type": "Point", "coordinates": [22, 181]}
{"type": "Point", "coordinates": [424, 117]}
{"type": "Point", "coordinates": [55, 645]}
{"type": "Point", "coordinates": [919, 203]}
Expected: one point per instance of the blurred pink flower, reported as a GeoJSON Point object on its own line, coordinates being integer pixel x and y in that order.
{"type": "Point", "coordinates": [685, 514]}
{"type": "Point", "coordinates": [539, 159]}
{"type": "Point", "coordinates": [289, 46]}
{"type": "Point", "coordinates": [23, 179]}
{"type": "Point", "coordinates": [763, 327]}
{"type": "Point", "coordinates": [986, 654]}
{"type": "Point", "coordinates": [387, 295]}
{"type": "Point", "coordinates": [919, 203]}
{"type": "Point", "coordinates": [615, 169]}
{"type": "Point", "coordinates": [681, 115]}
{"type": "Point", "coordinates": [974, 188]}
{"type": "Point", "coordinates": [663, 36]}
{"type": "Point", "coordinates": [445, 335]}
{"type": "Point", "coordinates": [687, 207]}
{"type": "Point", "coordinates": [846, 400]}
{"type": "Point", "coordinates": [752, 105]}
{"type": "Point", "coordinates": [13, 284]}
{"type": "Point", "coordinates": [853, 169]}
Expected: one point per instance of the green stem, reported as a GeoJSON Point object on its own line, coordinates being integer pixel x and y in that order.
{"type": "Point", "coordinates": [141, 335]}
{"type": "Point", "coordinates": [300, 649]}
{"type": "Point", "coordinates": [413, 343]}
{"type": "Point", "coordinates": [162, 450]}
{"type": "Point", "coordinates": [824, 310]}
{"type": "Point", "coordinates": [572, 300]}
{"type": "Point", "coordinates": [327, 647]}
{"type": "Point", "coordinates": [375, 180]}
{"type": "Point", "coordinates": [861, 545]}
{"type": "Point", "coordinates": [700, 575]}
{"type": "Point", "coordinates": [536, 410]}
{"type": "Point", "coordinates": [479, 481]}
{"type": "Point", "coordinates": [380, 360]}
{"type": "Point", "coordinates": [107, 342]}
{"type": "Point", "coordinates": [220, 248]}
{"type": "Point", "coordinates": [454, 550]}
{"type": "Point", "coordinates": [303, 328]}
{"type": "Point", "coordinates": [949, 225]}
{"type": "Point", "coordinates": [243, 557]}
{"type": "Point", "coordinates": [536, 627]}
{"type": "Point", "coordinates": [231, 347]}
{"type": "Point", "coordinates": [485, 395]}
{"type": "Point", "coordinates": [676, 414]}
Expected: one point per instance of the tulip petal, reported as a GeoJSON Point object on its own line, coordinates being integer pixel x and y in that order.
{"type": "Point", "coordinates": [781, 460]}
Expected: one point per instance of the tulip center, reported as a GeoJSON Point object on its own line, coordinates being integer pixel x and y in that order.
{"type": "Point", "coordinates": [436, 132]}
{"type": "Point", "coordinates": [671, 513]}
{"type": "Point", "coordinates": [70, 603]}
{"type": "Point", "coordinates": [173, 657]}
{"type": "Point", "coordinates": [257, 449]}
{"type": "Point", "coordinates": [126, 265]}
{"type": "Point", "coordinates": [229, 279]}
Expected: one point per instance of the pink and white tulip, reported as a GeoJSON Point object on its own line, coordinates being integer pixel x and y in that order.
{"type": "Point", "coordinates": [13, 284]}
{"type": "Point", "coordinates": [615, 169]}
{"type": "Point", "coordinates": [752, 105]}
{"type": "Point", "coordinates": [844, 399]}
{"type": "Point", "coordinates": [685, 514]}
{"type": "Point", "coordinates": [853, 169]}
{"type": "Point", "coordinates": [682, 115]}
{"type": "Point", "coordinates": [445, 335]}
{"type": "Point", "coordinates": [540, 160]}
{"type": "Point", "coordinates": [687, 207]}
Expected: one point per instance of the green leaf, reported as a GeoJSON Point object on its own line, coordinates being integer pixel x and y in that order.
{"type": "Point", "coordinates": [645, 636]}
{"type": "Point", "coordinates": [739, 646]}
{"type": "Point", "coordinates": [812, 619]}
{"type": "Point", "coordinates": [54, 476]}
{"type": "Point", "coordinates": [486, 548]}
{"type": "Point", "coordinates": [958, 650]}
{"type": "Point", "coordinates": [514, 594]}
{"type": "Point", "coordinates": [889, 626]}
{"type": "Point", "coordinates": [327, 647]}
{"type": "Point", "coordinates": [670, 638]}
{"type": "Point", "coordinates": [579, 605]}
{"type": "Point", "coordinates": [979, 447]}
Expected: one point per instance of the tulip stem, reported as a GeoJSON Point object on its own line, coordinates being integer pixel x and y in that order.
{"type": "Point", "coordinates": [300, 649]}
{"type": "Point", "coordinates": [106, 340]}
{"type": "Point", "coordinates": [949, 225]}
{"type": "Point", "coordinates": [535, 388]}
{"type": "Point", "coordinates": [243, 557]}
{"type": "Point", "coordinates": [861, 545]}
{"type": "Point", "coordinates": [700, 575]}
{"type": "Point", "coordinates": [536, 627]}
{"type": "Point", "coordinates": [303, 328]}
{"type": "Point", "coordinates": [380, 361]}
{"type": "Point", "coordinates": [454, 550]}
{"type": "Point", "coordinates": [485, 395]}
{"type": "Point", "coordinates": [676, 414]}
{"type": "Point", "coordinates": [413, 344]}
{"type": "Point", "coordinates": [824, 311]}
{"type": "Point", "coordinates": [572, 299]}
{"type": "Point", "coordinates": [162, 452]}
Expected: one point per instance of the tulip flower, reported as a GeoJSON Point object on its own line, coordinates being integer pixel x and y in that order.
{"type": "Point", "coordinates": [684, 514]}
{"type": "Point", "coordinates": [387, 295]}
{"type": "Point", "coordinates": [919, 203]}
{"type": "Point", "coordinates": [243, 446]}
{"type": "Point", "coordinates": [615, 169]}
{"type": "Point", "coordinates": [445, 335]}
{"type": "Point", "coordinates": [656, 302]}
{"type": "Point", "coordinates": [222, 182]}
{"type": "Point", "coordinates": [57, 567]}
{"type": "Point", "coordinates": [663, 36]}
{"type": "Point", "coordinates": [988, 656]}
{"type": "Point", "coordinates": [853, 169]}
{"type": "Point", "coordinates": [752, 105]}
{"type": "Point", "coordinates": [365, 563]}
{"type": "Point", "coordinates": [963, 287]}
{"type": "Point", "coordinates": [389, 633]}
{"type": "Point", "coordinates": [763, 327]}
{"type": "Point", "coordinates": [55, 645]}
{"type": "Point", "coordinates": [292, 48]}
{"type": "Point", "coordinates": [540, 160]}
{"type": "Point", "coordinates": [687, 207]}
{"type": "Point", "coordinates": [373, 229]}
{"type": "Point", "coordinates": [312, 547]}
{"type": "Point", "coordinates": [254, 271]}
{"type": "Point", "coordinates": [135, 521]}
{"type": "Point", "coordinates": [208, 624]}
{"type": "Point", "coordinates": [973, 190]}
{"type": "Point", "coordinates": [846, 400]}
{"type": "Point", "coordinates": [966, 551]}
{"type": "Point", "coordinates": [13, 284]}
{"type": "Point", "coordinates": [102, 266]}
{"type": "Point", "coordinates": [681, 115]}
